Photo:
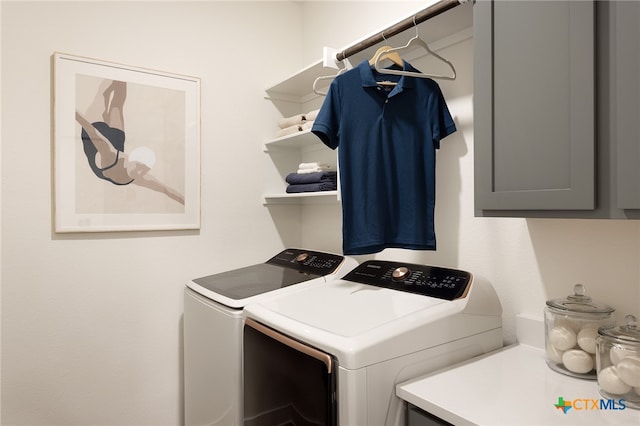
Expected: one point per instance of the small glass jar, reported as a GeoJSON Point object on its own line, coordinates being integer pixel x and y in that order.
{"type": "Point", "coordinates": [571, 329]}
{"type": "Point", "coordinates": [618, 361]}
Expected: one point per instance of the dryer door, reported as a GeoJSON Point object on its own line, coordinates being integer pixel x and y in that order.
{"type": "Point", "coordinates": [286, 381]}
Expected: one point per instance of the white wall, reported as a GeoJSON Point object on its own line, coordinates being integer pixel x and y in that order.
{"type": "Point", "coordinates": [91, 324]}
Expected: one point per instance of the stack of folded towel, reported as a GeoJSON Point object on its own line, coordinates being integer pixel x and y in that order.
{"type": "Point", "coordinates": [312, 177]}
{"type": "Point", "coordinates": [296, 123]}
{"type": "Point", "coordinates": [305, 168]}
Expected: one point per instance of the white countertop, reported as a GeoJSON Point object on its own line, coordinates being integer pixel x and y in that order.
{"type": "Point", "coordinates": [512, 386]}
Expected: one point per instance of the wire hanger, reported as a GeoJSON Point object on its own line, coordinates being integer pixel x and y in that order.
{"type": "Point", "coordinates": [316, 90]}
{"type": "Point", "coordinates": [385, 52]}
{"type": "Point", "coordinates": [415, 41]}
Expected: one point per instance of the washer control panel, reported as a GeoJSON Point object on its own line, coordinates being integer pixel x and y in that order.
{"type": "Point", "coordinates": [433, 281]}
{"type": "Point", "coordinates": [307, 261]}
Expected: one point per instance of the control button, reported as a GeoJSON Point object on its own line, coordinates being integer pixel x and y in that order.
{"type": "Point", "coordinates": [302, 257]}
{"type": "Point", "coordinates": [399, 274]}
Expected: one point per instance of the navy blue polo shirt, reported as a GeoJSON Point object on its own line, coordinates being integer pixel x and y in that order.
{"type": "Point", "coordinates": [387, 137]}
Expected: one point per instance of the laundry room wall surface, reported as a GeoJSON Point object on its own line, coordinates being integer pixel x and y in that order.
{"type": "Point", "coordinates": [91, 323]}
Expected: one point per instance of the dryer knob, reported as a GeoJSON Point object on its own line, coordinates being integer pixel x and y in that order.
{"type": "Point", "coordinates": [302, 257]}
{"type": "Point", "coordinates": [400, 274]}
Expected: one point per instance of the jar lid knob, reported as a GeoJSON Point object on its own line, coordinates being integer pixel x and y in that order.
{"type": "Point", "coordinates": [578, 295]}
{"type": "Point", "coordinates": [631, 322]}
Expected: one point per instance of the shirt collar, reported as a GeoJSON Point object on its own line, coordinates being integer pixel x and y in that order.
{"type": "Point", "coordinates": [368, 77]}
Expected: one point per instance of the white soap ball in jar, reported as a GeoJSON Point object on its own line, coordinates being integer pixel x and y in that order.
{"type": "Point", "coordinates": [573, 325]}
{"type": "Point", "coordinates": [629, 370]}
{"type": "Point", "coordinates": [577, 361]}
{"type": "Point", "coordinates": [587, 338]}
{"type": "Point", "coordinates": [618, 353]}
{"type": "Point", "coordinates": [610, 381]}
{"type": "Point", "coordinates": [562, 338]}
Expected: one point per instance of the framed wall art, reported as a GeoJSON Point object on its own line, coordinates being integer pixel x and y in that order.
{"type": "Point", "coordinates": [126, 147]}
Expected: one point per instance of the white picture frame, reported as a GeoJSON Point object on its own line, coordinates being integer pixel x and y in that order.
{"type": "Point", "coordinates": [126, 147]}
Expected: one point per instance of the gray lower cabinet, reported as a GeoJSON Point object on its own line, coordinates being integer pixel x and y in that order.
{"type": "Point", "coordinates": [418, 417]}
{"type": "Point", "coordinates": [550, 79]}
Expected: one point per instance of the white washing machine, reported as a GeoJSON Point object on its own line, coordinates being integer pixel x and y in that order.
{"type": "Point", "coordinates": [332, 354]}
{"type": "Point", "coordinates": [213, 329]}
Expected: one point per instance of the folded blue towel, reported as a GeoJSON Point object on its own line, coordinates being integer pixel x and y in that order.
{"type": "Point", "coordinates": [312, 187]}
{"type": "Point", "coordinates": [316, 177]}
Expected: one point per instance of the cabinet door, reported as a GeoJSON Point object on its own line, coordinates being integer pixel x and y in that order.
{"type": "Point", "coordinates": [627, 91]}
{"type": "Point", "coordinates": [534, 109]}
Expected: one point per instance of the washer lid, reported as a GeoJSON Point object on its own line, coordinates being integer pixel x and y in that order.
{"type": "Point", "coordinates": [252, 280]}
{"type": "Point", "coordinates": [237, 287]}
{"type": "Point", "coordinates": [360, 324]}
{"type": "Point", "coordinates": [346, 308]}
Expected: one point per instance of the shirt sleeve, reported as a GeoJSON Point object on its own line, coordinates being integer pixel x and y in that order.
{"type": "Point", "coordinates": [443, 124]}
{"type": "Point", "coordinates": [327, 124]}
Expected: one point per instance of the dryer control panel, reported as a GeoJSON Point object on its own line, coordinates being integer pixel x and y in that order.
{"type": "Point", "coordinates": [433, 281]}
{"type": "Point", "coordinates": [307, 261]}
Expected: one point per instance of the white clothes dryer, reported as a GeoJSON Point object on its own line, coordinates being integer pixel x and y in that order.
{"type": "Point", "coordinates": [333, 354]}
{"type": "Point", "coordinates": [213, 326]}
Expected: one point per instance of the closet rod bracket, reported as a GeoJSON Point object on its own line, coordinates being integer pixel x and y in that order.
{"type": "Point", "coordinates": [329, 58]}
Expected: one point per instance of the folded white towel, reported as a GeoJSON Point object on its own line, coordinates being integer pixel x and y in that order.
{"type": "Point", "coordinates": [307, 125]}
{"type": "Point", "coordinates": [291, 121]}
{"type": "Point", "coordinates": [311, 115]}
{"type": "Point", "coordinates": [289, 130]}
{"type": "Point", "coordinates": [313, 165]}
{"type": "Point", "coordinates": [314, 170]}
{"type": "Point", "coordinates": [305, 168]}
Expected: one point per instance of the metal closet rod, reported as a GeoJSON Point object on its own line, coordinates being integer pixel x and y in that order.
{"type": "Point", "coordinates": [425, 14]}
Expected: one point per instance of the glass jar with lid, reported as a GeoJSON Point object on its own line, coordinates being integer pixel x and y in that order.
{"type": "Point", "coordinates": [618, 362]}
{"type": "Point", "coordinates": [571, 329]}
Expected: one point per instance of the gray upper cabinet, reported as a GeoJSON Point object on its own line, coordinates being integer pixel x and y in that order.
{"type": "Point", "coordinates": [557, 109]}
{"type": "Point", "coordinates": [626, 84]}
{"type": "Point", "coordinates": [534, 106]}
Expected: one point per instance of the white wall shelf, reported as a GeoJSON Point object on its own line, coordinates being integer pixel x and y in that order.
{"type": "Point", "coordinates": [322, 197]}
{"type": "Point", "coordinates": [293, 141]}
{"type": "Point", "coordinates": [288, 151]}
{"type": "Point", "coordinates": [299, 86]}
